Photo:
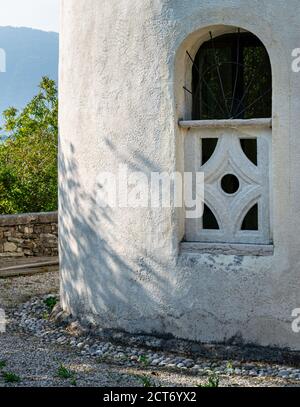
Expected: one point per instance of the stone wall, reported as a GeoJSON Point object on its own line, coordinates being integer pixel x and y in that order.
{"type": "Point", "coordinates": [26, 235]}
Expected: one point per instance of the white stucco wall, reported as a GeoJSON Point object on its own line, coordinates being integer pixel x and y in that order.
{"type": "Point", "coordinates": [122, 67]}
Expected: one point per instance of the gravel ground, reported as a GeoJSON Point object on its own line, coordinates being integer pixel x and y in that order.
{"type": "Point", "coordinates": [37, 365]}
{"type": "Point", "coordinates": [35, 352]}
{"type": "Point", "coordinates": [14, 291]}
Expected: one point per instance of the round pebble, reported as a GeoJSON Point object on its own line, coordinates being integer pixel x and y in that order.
{"type": "Point", "coordinates": [32, 317]}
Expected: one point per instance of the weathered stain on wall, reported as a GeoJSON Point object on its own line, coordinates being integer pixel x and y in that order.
{"type": "Point", "coordinates": [27, 235]}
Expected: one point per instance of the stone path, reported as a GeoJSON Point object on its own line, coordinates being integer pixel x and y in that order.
{"type": "Point", "coordinates": [18, 261]}
{"type": "Point", "coordinates": [16, 267]}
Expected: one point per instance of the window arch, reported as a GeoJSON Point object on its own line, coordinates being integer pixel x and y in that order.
{"type": "Point", "coordinates": [231, 78]}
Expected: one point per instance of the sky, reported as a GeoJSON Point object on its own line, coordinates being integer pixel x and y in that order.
{"type": "Point", "coordinates": [40, 14]}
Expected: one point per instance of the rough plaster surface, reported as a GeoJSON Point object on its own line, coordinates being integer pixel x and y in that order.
{"type": "Point", "coordinates": [122, 68]}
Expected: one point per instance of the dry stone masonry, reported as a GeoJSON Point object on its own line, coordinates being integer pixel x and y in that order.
{"type": "Point", "coordinates": [28, 235]}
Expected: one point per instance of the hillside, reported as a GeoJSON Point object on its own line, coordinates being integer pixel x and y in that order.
{"type": "Point", "coordinates": [30, 54]}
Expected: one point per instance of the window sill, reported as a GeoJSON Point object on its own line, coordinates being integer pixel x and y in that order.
{"type": "Point", "coordinates": [230, 123]}
{"type": "Point", "coordinates": [227, 249]}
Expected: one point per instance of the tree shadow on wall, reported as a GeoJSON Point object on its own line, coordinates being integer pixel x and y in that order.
{"type": "Point", "coordinates": [99, 283]}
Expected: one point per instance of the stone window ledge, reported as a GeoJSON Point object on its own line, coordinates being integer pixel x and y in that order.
{"type": "Point", "coordinates": [230, 123]}
{"type": "Point", "coordinates": [227, 248]}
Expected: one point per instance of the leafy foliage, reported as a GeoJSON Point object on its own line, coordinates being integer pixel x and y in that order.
{"type": "Point", "coordinates": [10, 377]}
{"type": "Point", "coordinates": [146, 382]}
{"type": "Point", "coordinates": [28, 154]}
{"type": "Point", "coordinates": [144, 360]}
{"type": "Point", "coordinates": [64, 373]}
{"type": "Point", "coordinates": [50, 302]}
{"type": "Point", "coordinates": [213, 381]}
{"type": "Point", "coordinates": [2, 364]}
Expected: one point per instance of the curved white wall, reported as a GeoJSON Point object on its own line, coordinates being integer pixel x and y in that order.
{"type": "Point", "coordinates": [121, 77]}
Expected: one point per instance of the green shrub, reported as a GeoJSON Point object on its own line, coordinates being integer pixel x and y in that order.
{"type": "Point", "coordinates": [28, 154]}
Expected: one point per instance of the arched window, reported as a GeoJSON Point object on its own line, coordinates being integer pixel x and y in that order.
{"type": "Point", "coordinates": [229, 139]}
{"type": "Point", "coordinates": [232, 78]}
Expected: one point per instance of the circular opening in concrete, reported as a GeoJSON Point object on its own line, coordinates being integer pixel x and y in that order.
{"type": "Point", "coordinates": [230, 184]}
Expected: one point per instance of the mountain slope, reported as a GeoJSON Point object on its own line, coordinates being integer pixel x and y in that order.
{"type": "Point", "coordinates": [30, 54]}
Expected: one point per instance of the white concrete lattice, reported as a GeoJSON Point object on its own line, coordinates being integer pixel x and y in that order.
{"type": "Point", "coordinates": [229, 158]}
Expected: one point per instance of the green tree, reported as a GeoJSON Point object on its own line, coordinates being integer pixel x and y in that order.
{"type": "Point", "coordinates": [28, 154]}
